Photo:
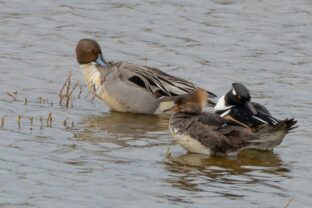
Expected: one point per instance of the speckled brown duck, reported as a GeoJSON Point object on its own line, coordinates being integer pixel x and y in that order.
{"type": "Point", "coordinates": [209, 133]}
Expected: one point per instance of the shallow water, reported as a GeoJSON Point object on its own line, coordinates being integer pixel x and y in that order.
{"type": "Point", "coordinates": [102, 159]}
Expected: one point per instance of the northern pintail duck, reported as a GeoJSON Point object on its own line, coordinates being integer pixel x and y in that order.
{"type": "Point", "coordinates": [128, 87]}
{"type": "Point", "coordinates": [208, 133]}
{"type": "Point", "coordinates": [236, 106]}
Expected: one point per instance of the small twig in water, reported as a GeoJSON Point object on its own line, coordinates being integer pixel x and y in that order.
{"type": "Point", "coordinates": [2, 121]}
{"type": "Point", "coordinates": [168, 153]}
{"type": "Point", "coordinates": [49, 120]}
{"type": "Point", "coordinates": [65, 122]}
{"type": "Point", "coordinates": [61, 91]}
{"type": "Point", "coordinates": [41, 122]}
{"type": "Point", "coordinates": [68, 84]}
{"type": "Point", "coordinates": [39, 99]}
{"type": "Point", "coordinates": [70, 94]}
{"type": "Point", "coordinates": [80, 91]}
{"type": "Point", "coordinates": [31, 119]}
{"type": "Point", "coordinates": [19, 121]}
{"type": "Point", "coordinates": [12, 96]}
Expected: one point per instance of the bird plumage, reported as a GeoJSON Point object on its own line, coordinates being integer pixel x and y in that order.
{"type": "Point", "coordinates": [208, 133]}
{"type": "Point", "coordinates": [129, 87]}
{"type": "Point", "coordinates": [236, 106]}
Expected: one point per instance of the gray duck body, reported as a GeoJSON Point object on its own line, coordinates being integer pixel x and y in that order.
{"type": "Point", "coordinates": [128, 87]}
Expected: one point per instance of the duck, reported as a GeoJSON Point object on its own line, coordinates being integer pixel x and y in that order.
{"type": "Point", "coordinates": [236, 106]}
{"type": "Point", "coordinates": [209, 133]}
{"type": "Point", "coordinates": [128, 87]}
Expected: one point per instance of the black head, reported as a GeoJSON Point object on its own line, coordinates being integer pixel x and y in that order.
{"type": "Point", "coordinates": [239, 95]}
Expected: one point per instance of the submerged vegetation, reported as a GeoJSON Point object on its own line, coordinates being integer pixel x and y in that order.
{"type": "Point", "coordinates": [66, 101]}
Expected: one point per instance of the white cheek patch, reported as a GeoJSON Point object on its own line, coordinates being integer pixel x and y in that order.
{"type": "Point", "coordinates": [234, 92]}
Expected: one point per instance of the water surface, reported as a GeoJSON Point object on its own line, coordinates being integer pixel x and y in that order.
{"type": "Point", "coordinates": [103, 159]}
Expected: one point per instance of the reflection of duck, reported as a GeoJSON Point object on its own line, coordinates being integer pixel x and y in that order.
{"type": "Point", "coordinates": [239, 163]}
{"type": "Point", "coordinates": [119, 128]}
{"type": "Point", "coordinates": [208, 133]}
{"type": "Point", "coordinates": [127, 87]}
{"type": "Point", "coordinates": [186, 168]}
{"type": "Point", "coordinates": [127, 123]}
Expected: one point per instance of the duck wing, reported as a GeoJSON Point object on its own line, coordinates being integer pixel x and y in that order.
{"type": "Point", "coordinates": [243, 116]}
{"type": "Point", "coordinates": [221, 140]}
{"type": "Point", "coordinates": [158, 83]}
{"type": "Point", "coordinates": [211, 119]}
{"type": "Point", "coordinates": [260, 108]}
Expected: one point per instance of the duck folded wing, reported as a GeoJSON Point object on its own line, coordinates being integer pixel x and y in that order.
{"type": "Point", "coordinates": [127, 94]}
{"type": "Point", "coordinates": [221, 140]}
{"type": "Point", "coordinates": [260, 108]}
{"type": "Point", "coordinates": [241, 115]}
{"type": "Point", "coordinates": [207, 118]}
{"type": "Point", "coordinates": [155, 81]}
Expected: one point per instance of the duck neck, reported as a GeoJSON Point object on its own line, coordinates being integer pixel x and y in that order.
{"type": "Point", "coordinates": [90, 72]}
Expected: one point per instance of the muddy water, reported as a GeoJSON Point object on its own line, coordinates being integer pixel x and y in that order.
{"type": "Point", "coordinates": [91, 157]}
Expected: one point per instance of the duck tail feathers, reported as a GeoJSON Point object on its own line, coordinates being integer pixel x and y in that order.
{"type": "Point", "coordinates": [270, 137]}
{"type": "Point", "coordinates": [287, 124]}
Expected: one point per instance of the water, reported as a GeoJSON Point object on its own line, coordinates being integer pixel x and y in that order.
{"type": "Point", "coordinates": [103, 159]}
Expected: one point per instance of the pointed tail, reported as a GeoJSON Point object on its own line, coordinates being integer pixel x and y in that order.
{"type": "Point", "coordinates": [269, 137]}
{"type": "Point", "coordinates": [287, 124]}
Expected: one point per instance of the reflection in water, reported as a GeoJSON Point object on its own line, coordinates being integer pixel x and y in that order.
{"type": "Point", "coordinates": [121, 128]}
{"type": "Point", "coordinates": [190, 171]}
{"type": "Point", "coordinates": [126, 123]}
